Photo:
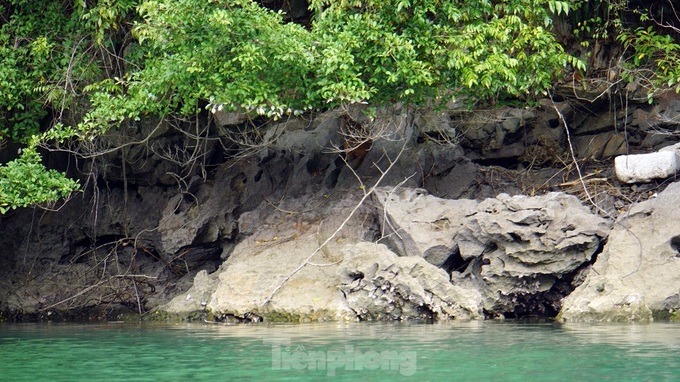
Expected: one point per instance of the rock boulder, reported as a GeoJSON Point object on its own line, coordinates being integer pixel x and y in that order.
{"type": "Point", "coordinates": [636, 276]}
{"type": "Point", "coordinates": [513, 249]}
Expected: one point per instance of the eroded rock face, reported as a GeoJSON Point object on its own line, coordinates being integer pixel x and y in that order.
{"type": "Point", "coordinates": [514, 249]}
{"type": "Point", "coordinates": [447, 259]}
{"type": "Point", "coordinates": [379, 285]}
{"type": "Point", "coordinates": [636, 276]}
{"type": "Point", "coordinates": [349, 278]}
{"type": "Point", "coordinates": [278, 241]}
{"type": "Point", "coordinates": [260, 217]}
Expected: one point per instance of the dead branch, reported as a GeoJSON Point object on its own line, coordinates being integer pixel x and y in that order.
{"type": "Point", "coordinates": [366, 195]}
{"type": "Point", "coordinates": [582, 180]}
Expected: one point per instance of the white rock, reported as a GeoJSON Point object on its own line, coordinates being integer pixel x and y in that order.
{"type": "Point", "coordinates": [645, 167]}
{"type": "Point", "coordinates": [672, 148]}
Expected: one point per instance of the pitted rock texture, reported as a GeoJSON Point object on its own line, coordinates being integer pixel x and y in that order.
{"type": "Point", "coordinates": [635, 278]}
{"type": "Point", "coordinates": [506, 246]}
{"type": "Point", "coordinates": [379, 285]}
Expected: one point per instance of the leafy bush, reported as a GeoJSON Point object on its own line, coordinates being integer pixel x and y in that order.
{"type": "Point", "coordinates": [25, 182]}
{"type": "Point", "coordinates": [70, 60]}
{"type": "Point", "coordinates": [240, 56]}
{"type": "Point", "coordinates": [49, 52]}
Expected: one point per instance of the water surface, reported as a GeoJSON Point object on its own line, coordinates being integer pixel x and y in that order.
{"type": "Point", "coordinates": [468, 351]}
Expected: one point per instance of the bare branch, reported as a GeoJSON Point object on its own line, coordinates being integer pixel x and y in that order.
{"type": "Point", "coordinates": [365, 196]}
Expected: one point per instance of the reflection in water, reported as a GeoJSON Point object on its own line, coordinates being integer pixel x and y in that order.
{"type": "Point", "coordinates": [367, 351]}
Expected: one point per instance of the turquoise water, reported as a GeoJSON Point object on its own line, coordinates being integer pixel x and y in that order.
{"type": "Point", "coordinates": [470, 351]}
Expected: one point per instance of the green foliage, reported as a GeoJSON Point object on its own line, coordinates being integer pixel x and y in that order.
{"type": "Point", "coordinates": [240, 56]}
{"type": "Point", "coordinates": [237, 55]}
{"type": "Point", "coordinates": [103, 16]}
{"type": "Point", "coordinates": [49, 53]}
{"type": "Point", "coordinates": [25, 182]}
{"type": "Point", "coordinates": [63, 58]}
{"type": "Point", "coordinates": [234, 53]}
{"type": "Point", "coordinates": [650, 49]}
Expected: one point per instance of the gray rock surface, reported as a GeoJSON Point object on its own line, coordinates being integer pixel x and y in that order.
{"type": "Point", "coordinates": [379, 285]}
{"type": "Point", "coordinates": [636, 276]}
{"type": "Point", "coordinates": [390, 287]}
{"type": "Point", "coordinates": [278, 240]}
{"type": "Point", "coordinates": [505, 247]}
{"type": "Point", "coordinates": [149, 221]}
{"type": "Point", "coordinates": [447, 259]}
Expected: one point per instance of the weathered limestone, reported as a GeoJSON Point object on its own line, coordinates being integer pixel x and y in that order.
{"type": "Point", "coordinates": [418, 224]}
{"type": "Point", "coordinates": [636, 276]}
{"type": "Point", "coordinates": [515, 256]}
{"type": "Point", "coordinates": [260, 264]}
{"type": "Point", "coordinates": [504, 247]}
{"type": "Point", "coordinates": [329, 286]}
{"type": "Point", "coordinates": [379, 285]}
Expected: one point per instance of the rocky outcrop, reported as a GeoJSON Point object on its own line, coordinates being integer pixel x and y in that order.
{"type": "Point", "coordinates": [348, 279]}
{"type": "Point", "coordinates": [519, 252]}
{"type": "Point", "coordinates": [379, 285]}
{"type": "Point", "coordinates": [236, 211]}
{"type": "Point", "coordinates": [447, 259]}
{"type": "Point", "coordinates": [635, 278]}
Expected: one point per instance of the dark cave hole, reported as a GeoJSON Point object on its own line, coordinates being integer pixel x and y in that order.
{"type": "Point", "coordinates": [316, 166]}
{"type": "Point", "coordinates": [509, 162]}
{"type": "Point", "coordinates": [675, 245]}
{"type": "Point", "coordinates": [548, 304]}
{"type": "Point", "coordinates": [456, 263]}
{"type": "Point", "coordinates": [332, 178]}
{"type": "Point", "coordinates": [515, 237]}
{"type": "Point", "coordinates": [83, 250]}
{"type": "Point", "coordinates": [207, 256]}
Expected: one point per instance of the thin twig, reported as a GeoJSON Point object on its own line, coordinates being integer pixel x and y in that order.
{"type": "Point", "coordinates": [585, 188]}
{"type": "Point", "coordinates": [366, 195]}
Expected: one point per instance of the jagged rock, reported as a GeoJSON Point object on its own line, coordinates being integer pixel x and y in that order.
{"type": "Point", "coordinates": [379, 285]}
{"type": "Point", "coordinates": [278, 243]}
{"type": "Point", "coordinates": [505, 246]}
{"type": "Point", "coordinates": [636, 276]}
{"type": "Point", "coordinates": [600, 146]}
{"type": "Point", "coordinates": [423, 225]}
{"type": "Point", "coordinates": [170, 222]}
{"type": "Point", "coordinates": [436, 125]}
{"type": "Point", "coordinates": [197, 297]}
{"type": "Point", "coordinates": [522, 246]}
{"type": "Point", "coordinates": [259, 264]}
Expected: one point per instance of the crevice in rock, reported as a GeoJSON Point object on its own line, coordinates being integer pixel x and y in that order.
{"type": "Point", "coordinates": [549, 303]}
{"type": "Point", "coordinates": [425, 313]}
{"type": "Point", "coordinates": [593, 258]}
{"type": "Point", "coordinates": [510, 163]}
{"type": "Point", "coordinates": [332, 178]}
{"type": "Point", "coordinates": [89, 246]}
{"type": "Point", "coordinates": [316, 166]}
{"type": "Point", "coordinates": [538, 305]}
{"type": "Point", "coordinates": [456, 263]}
{"type": "Point", "coordinates": [193, 258]}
